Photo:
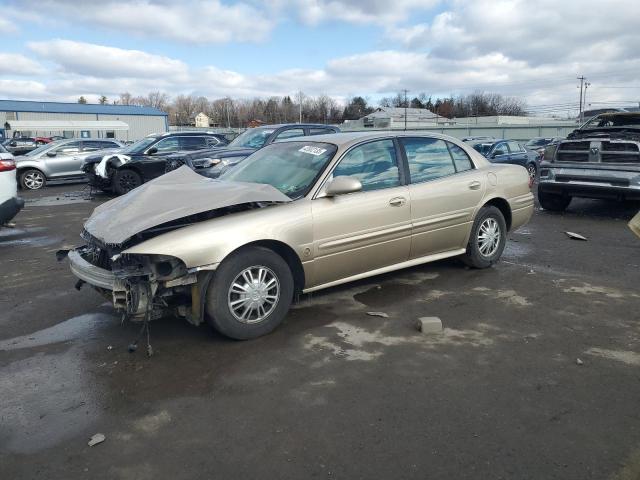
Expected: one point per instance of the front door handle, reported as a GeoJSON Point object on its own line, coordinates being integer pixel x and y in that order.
{"type": "Point", "coordinates": [397, 201]}
{"type": "Point", "coordinates": [475, 185]}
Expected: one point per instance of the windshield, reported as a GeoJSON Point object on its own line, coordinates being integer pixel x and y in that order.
{"type": "Point", "coordinates": [43, 148]}
{"type": "Point", "coordinates": [140, 145]}
{"type": "Point", "coordinates": [252, 138]}
{"type": "Point", "coordinates": [291, 167]}
{"type": "Point", "coordinates": [483, 148]}
{"type": "Point", "coordinates": [608, 120]}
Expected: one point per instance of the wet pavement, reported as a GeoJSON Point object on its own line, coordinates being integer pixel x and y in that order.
{"type": "Point", "coordinates": [334, 392]}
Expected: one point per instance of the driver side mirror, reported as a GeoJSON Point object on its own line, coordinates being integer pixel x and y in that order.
{"type": "Point", "coordinates": [496, 153]}
{"type": "Point", "coordinates": [342, 186]}
{"type": "Point", "coordinates": [52, 154]}
{"type": "Point", "coordinates": [152, 151]}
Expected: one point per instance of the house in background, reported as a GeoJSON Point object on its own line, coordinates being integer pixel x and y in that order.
{"type": "Point", "coordinates": [201, 120]}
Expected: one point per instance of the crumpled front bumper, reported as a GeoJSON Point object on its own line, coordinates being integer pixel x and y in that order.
{"type": "Point", "coordinates": [87, 272]}
{"type": "Point", "coordinates": [10, 208]}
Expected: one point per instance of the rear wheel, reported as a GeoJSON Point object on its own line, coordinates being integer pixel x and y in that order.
{"type": "Point", "coordinates": [553, 201]}
{"type": "Point", "coordinates": [32, 179]}
{"type": "Point", "coordinates": [250, 294]}
{"type": "Point", "coordinates": [488, 238]}
{"type": "Point", "coordinates": [125, 180]}
{"type": "Point", "coordinates": [532, 170]}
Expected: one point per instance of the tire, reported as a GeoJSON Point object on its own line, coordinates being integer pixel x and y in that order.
{"type": "Point", "coordinates": [125, 180]}
{"type": "Point", "coordinates": [241, 318]}
{"type": "Point", "coordinates": [553, 202]}
{"type": "Point", "coordinates": [32, 179]}
{"type": "Point", "coordinates": [532, 170]}
{"type": "Point", "coordinates": [488, 238]}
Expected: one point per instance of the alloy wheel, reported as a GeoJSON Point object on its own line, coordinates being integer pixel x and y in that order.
{"type": "Point", "coordinates": [33, 180]}
{"type": "Point", "coordinates": [253, 294]}
{"type": "Point", "coordinates": [489, 237]}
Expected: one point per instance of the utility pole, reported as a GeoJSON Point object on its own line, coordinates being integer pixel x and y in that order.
{"type": "Point", "coordinates": [405, 108]}
{"type": "Point", "coordinates": [584, 98]}
{"type": "Point", "coordinates": [300, 105]}
{"type": "Point", "coordinates": [582, 79]}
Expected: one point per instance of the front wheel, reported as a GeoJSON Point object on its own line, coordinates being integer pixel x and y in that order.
{"type": "Point", "coordinates": [532, 170]}
{"type": "Point", "coordinates": [32, 179]}
{"type": "Point", "coordinates": [125, 180]}
{"type": "Point", "coordinates": [488, 238]}
{"type": "Point", "coordinates": [250, 294]}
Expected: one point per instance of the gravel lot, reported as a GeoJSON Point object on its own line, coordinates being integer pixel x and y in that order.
{"type": "Point", "coordinates": [334, 392]}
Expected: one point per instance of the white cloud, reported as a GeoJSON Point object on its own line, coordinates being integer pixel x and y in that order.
{"type": "Point", "coordinates": [16, 64]}
{"type": "Point", "coordinates": [24, 90]}
{"type": "Point", "coordinates": [107, 62]}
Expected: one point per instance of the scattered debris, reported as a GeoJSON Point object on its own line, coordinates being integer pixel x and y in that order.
{"type": "Point", "coordinates": [10, 225]}
{"type": "Point", "coordinates": [110, 347]}
{"type": "Point", "coordinates": [429, 325]}
{"type": "Point", "coordinates": [576, 236]}
{"type": "Point", "coordinates": [96, 439]}
{"type": "Point", "coordinates": [634, 224]}
{"type": "Point", "coordinates": [378, 314]}
{"type": "Point", "coordinates": [579, 362]}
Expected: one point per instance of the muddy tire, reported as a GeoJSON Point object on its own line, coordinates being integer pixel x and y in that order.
{"type": "Point", "coordinates": [125, 180]}
{"type": "Point", "coordinates": [250, 294]}
{"type": "Point", "coordinates": [553, 202]}
{"type": "Point", "coordinates": [488, 238]}
{"type": "Point", "coordinates": [32, 179]}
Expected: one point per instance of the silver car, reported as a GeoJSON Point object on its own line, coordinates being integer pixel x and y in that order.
{"type": "Point", "coordinates": [60, 160]}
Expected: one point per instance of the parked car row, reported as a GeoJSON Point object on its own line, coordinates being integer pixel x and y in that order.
{"type": "Point", "coordinates": [10, 203]}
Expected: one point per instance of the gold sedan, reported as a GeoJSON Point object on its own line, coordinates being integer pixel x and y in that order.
{"type": "Point", "coordinates": [297, 216]}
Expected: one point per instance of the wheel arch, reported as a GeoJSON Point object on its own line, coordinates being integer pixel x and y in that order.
{"type": "Point", "coordinates": [504, 207]}
{"type": "Point", "coordinates": [287, 253]}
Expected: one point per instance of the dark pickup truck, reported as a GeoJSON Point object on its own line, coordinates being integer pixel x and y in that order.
{"type": "Point", "coordinates": [601, 159]}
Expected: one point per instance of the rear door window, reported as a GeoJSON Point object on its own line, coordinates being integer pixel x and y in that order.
{"type": "Point", "coordinates": [428, 158]}
{"type": "Point", "coordinates": [461, 160]}
{"type": "Point", "coordinates": [193, 143]}
{"type": "Point", "coordinates": [514, 147]}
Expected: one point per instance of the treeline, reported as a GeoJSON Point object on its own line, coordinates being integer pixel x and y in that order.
{"type": "Point", "coordinates": [319, 109]}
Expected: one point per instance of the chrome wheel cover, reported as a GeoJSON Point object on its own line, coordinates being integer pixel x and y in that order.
{"type": "Point", "coordinates": [253, 294]}
{"type": "Point", "coordinates": [532, 170]}
{"type": "Point", "coordinates": [489, 237]}
{"type": "Point", "coordinates": [33, 180]}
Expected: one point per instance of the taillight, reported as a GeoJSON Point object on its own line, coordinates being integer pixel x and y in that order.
{"type": "Point", "coordinates": [7, 165]}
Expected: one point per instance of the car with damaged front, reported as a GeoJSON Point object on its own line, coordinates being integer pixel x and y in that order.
{"type": "Point", "coordinates": [122, 171]}
{"type": "Point", "coordinates": [297, 216]}
{"type": "Point", "coordinates": [601, 159]}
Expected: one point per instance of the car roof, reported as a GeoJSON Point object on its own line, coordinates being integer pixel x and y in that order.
{"type": "Point", "coordinates": [343, 139]}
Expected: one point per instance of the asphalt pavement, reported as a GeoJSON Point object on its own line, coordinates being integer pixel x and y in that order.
{"type": "Point", "coordinates": [536, 375]}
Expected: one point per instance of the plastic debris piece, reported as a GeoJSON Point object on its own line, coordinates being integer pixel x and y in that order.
{"type": "Point", "coordinates": [429, 325]}
{"type": "Point", "coordinates": [96, 439]}
{"type": "Point", "coordinates": [110, 347]}
{"type": "Point", "coordinates": [634, 224]}
{"type": "Point", "coordinates": [576, 236]}
{"type": "Point", "coordinates": [579, 362]}
{"type": "Point", "coordinates": [378, 314]}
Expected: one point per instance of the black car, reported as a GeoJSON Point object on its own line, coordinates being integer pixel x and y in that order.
{"type": "Point", "coordinates": [145, 159]}
{"type": "Point", "coordinates": [213, 162]}
{"type": "Point", "coordinates": [509, 151]}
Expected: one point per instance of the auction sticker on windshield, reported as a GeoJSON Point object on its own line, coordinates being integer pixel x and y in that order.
{"type": "Point", "coordinates": [312, 150]}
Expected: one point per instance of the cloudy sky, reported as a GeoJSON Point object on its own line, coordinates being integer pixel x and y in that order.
{"type": "Point", "coordinates": [59, 50]}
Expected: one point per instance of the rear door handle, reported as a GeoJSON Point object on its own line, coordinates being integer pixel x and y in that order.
{"type": "Point", "coordinates": [475, 185]}
{"type": "Point", "coordinates": [397, 201]}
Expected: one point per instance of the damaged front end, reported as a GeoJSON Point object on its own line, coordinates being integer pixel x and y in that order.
{"type": "Point", "coordinates": [142, 287]}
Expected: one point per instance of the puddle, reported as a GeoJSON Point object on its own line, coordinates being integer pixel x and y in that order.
{"type": "Point", "coordinates": [25, 237]}
{"type": "Point", "coordinates": [84, 326]}
{"type": "Point", "coordinates": [514, 249]}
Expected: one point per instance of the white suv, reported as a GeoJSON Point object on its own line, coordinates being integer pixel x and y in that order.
{"type": "Point", "coordinates": [10, 203]}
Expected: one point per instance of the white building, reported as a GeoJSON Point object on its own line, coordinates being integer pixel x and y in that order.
{"type": "Point", "coordinates": [202, 120]}
{"type": "Point", "coordinates": [394, 118]}
{"type": "Point", "coordinates": [123, 122]}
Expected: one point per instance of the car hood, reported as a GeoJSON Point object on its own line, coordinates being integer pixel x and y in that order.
{"type": "Point", "coordinates": [170, 197]}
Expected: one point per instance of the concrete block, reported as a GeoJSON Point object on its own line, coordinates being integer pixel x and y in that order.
{"type": "Point", "coordinates": [429, 325]}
